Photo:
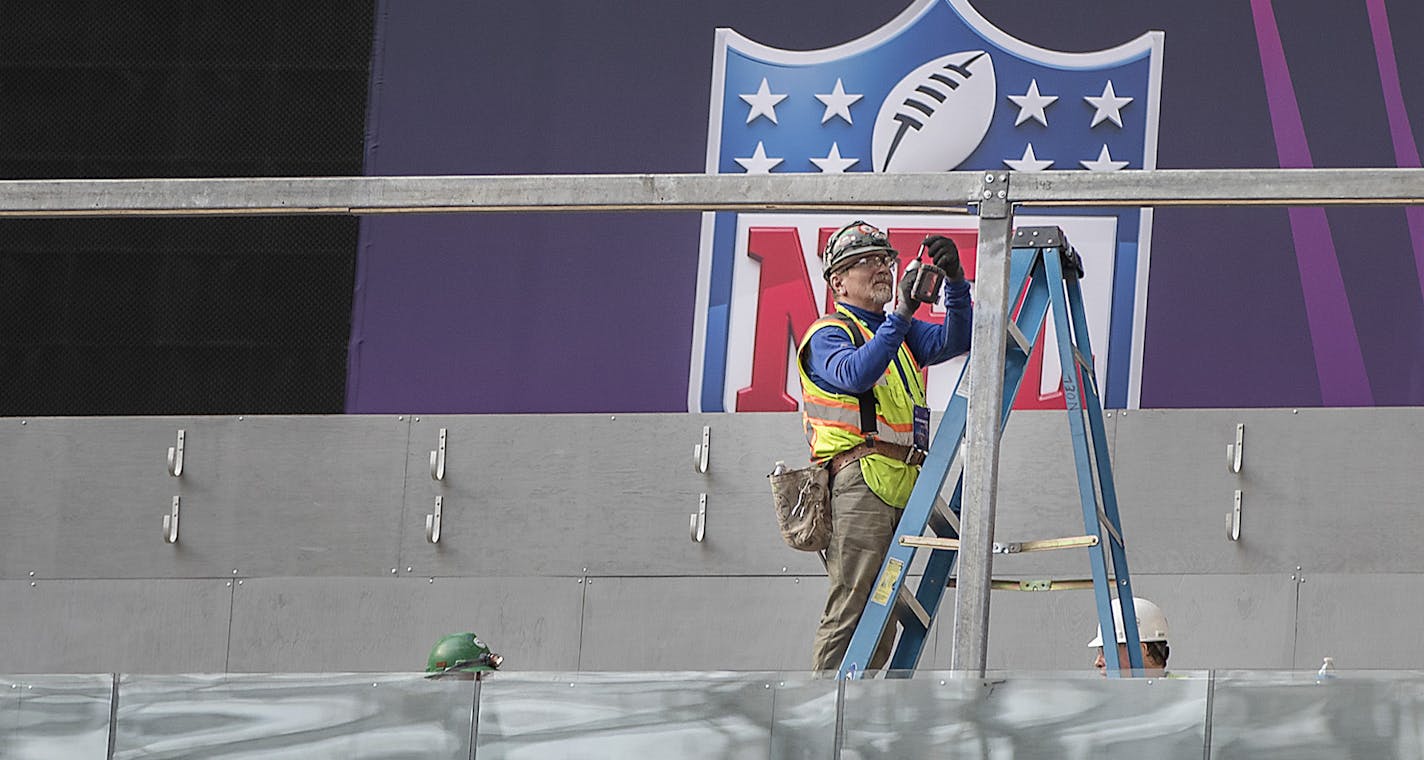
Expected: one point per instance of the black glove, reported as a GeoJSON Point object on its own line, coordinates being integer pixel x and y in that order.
{"type": "Point", "coordinates": [908, 305]}
{"type": "Point", "coordinates": [945, 255]}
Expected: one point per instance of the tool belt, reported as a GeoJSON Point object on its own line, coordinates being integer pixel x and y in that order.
{"type": "Point", "coordinates": [897, 451]}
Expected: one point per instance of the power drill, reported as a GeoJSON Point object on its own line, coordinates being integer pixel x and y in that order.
{"type": "Point", "coordinates": [929, 279]}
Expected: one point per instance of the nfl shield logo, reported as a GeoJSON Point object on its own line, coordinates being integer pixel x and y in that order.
{"type": "Point", "coordinates": [936, 89]}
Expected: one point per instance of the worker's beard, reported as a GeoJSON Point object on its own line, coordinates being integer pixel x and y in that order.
{"type": "Point", "coordinates": [882, 291]}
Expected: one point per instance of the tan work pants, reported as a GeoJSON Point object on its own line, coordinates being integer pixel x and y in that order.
{"type": "Point", "coordinates": [862, 526]}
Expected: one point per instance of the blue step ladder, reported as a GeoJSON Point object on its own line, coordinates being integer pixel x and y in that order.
{"type": "Point", "coordinates": [1044, 271]}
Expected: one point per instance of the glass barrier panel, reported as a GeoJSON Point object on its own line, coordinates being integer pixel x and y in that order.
{"type": "Point", "coordinates": [1051, 715]}
{"type": "Point", "coordinates": [648, 715]}
{"type": "Point", "coordinates": [59, 717]}
{"type": "Point", "coordinates": [1299, 715]}
{"type": "Point", "coordinates": [292, 717]}
{"type": "Point", "coordinates": [803, 717]}
{"type": "Point", "coordinates": [1253, 714]}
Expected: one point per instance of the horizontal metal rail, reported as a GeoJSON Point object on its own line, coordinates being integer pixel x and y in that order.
{"type": "Point", "coordinates": [947, 191]}
{"type": "Point", "coordinates": [1220, 187]}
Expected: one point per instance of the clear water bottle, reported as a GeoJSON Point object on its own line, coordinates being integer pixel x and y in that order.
{"type": "Point", "coordinates": [1327, 670]}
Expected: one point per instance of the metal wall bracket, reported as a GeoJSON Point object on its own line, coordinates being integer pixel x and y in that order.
{"type": "Point", "coordinates": [698, 525]}
{"type": "Point", "coordinates": [701, 451]}
{"type": "Point", "coordinates": [1233, 450]}
{"type": "Point", "coordinates": [437, 458]}
{"type": "Point", "coordinates": [1233, 464]}
{"type": "Point", "coordinates": [993, 196]}
{"type": "Point", "coordinates": [170, 520]}
{"type": "Point", "coordinates": [432, 521]}
{"type": "Point", "coordinates": [1233, 520]}
{"type": "Point", "coordinates": [175, 456]}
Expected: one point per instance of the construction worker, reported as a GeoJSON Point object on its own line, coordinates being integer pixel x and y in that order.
{"type": "Point", "coordinates": [1151, 633]}
{"type": "Point", "coordinates": [860, 352]}
{"type": "Point", "coordinates": [461, 656]}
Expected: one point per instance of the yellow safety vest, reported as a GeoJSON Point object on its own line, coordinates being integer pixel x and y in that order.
{"type": "Point", "coordinates": [833, 419]}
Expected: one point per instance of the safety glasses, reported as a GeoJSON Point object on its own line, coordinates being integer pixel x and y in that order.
{"type": "Point", "coordinates": [875, 260]}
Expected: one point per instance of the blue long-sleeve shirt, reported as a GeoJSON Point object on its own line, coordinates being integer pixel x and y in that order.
{"type": "Point", "coordinates": [836, 365]}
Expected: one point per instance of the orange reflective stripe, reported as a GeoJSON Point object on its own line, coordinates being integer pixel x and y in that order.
{"type": "Point", "coordinates": [850, 420]}
{"type": "Point", "coordinates": [834, 408]}
{"type": "Point", "coordinates": [852, 423]}
{"type": "Point", "coordinates": [910, 428]}
{"type": "Point", "coordinates": [838, 425]}
{"type": "Point", "coordinates": [836, 402]}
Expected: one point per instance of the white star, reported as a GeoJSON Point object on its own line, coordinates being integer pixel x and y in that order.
{"type": "Point", "coordinates": [762, 102]}
{"type": "Point", "coordinates": [1104, 163]}
{"type": "Point", "coordinates": [1031, 104]}
{"type": "Point", "coordinates": [833, 163]}
{"type": "Point", "coordinates": [758, 163]}
{"type": "Point", "coordinates": [837, 103]}
{"type": "Point", "coordinates": [1109, 106]}
{"type": "Point", "coordinates": [1029, 162]}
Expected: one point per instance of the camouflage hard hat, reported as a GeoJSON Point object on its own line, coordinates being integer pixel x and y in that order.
{"type": "Point", "coordinates": [850, 241]}
{"type": "Point", "coordinates": [461, 652]}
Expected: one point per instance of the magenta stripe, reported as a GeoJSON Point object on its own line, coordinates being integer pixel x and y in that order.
{"type": "Point", "coordinates": [1406, 153]}
{"type": "Point", "coordinates": [1339, 363]}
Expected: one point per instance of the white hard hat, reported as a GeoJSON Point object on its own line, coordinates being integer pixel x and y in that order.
{"type": "Point", "coordinates": [1151, 623]}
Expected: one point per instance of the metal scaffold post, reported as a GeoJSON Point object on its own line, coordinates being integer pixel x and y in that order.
{"type": "Point", "coordinates": [981, 455]}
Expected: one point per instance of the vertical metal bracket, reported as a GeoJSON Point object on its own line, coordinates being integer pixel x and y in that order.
{"type": "Point", "coordinates": [1233, 450]}
{"type": "Point", "coordinates": [1233, 520]}
{"type": "Point", "coordinates": [1233, 464]}
{"type": "Point", "coordinates": [175, 456]}
{"type": "Point", "coordinates": [170, 520]}
{"type": "Point", "coordinates": [432, 521]}
{"type": "Point", "coordinates": [993, 196]}
{"type": "Point", "coordinates": [698, 524]}
{"type": "Point", "coordinates": [437, 458]}
{"type": "Point", "coordinates": [701, 451]}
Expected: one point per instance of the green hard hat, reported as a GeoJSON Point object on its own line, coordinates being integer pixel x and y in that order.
{"type": "Point", "coordinates": [461, 652]}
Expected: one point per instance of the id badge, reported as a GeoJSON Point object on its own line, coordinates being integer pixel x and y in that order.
{"type": "Point", "coordinates": [922, 427]}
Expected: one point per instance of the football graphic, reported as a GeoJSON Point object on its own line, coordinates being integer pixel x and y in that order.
{"type": "Point", "coordinates": [935, 117]}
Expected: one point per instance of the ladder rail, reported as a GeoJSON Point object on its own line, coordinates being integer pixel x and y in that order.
{"type": "Point", "coordinates": [1026, 276]}
{"type": "Point", "coordinates": [1084, 462]}
{"type": "Point", "coordinates": [1026, 272]}
{"type": "Point", "coordinates": [1117, 550]}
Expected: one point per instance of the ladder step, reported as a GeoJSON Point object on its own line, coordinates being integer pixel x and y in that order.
{"type": "Point", "coordinates": [1037, 584]}
{"type": "Point", "coordinates": [930, 542]}
{"type": "Point", "coordinates": [1045, 544]}
{"type": "Point", "coordinates": [907, 603]}
{"type": "Point", "coordinates": [935, 542]}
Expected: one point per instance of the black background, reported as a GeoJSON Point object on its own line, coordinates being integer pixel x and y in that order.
{"type": "Point", "coordinates": [118, 316]}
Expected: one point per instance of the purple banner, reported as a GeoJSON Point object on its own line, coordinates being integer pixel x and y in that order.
{"type": "Point", "coordinates": [597, 313]}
